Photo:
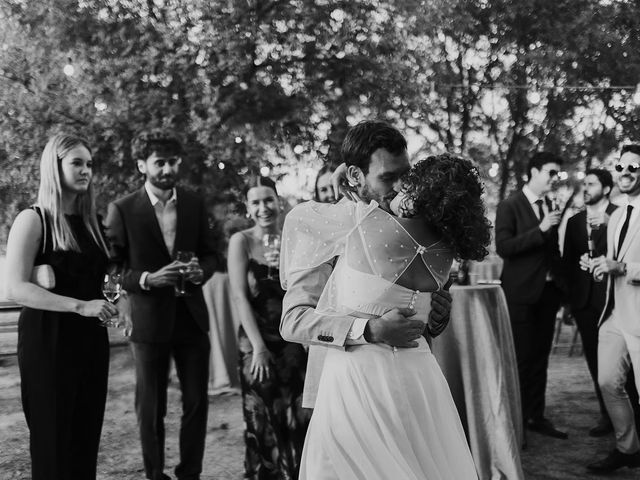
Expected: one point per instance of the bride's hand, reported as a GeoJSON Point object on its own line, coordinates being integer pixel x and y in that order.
{"type": "Point", "coordinates": [261, 364]}
{"type": "Point", "coordinates": [341, 185]}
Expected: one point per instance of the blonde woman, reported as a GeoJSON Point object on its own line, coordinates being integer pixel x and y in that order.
{"type": "Point", "coordinates": [63, 349]}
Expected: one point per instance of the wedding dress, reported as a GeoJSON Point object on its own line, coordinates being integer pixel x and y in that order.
{"type": "Point", "coordinates": [381, 413]}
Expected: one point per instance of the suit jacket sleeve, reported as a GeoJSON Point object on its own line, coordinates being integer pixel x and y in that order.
{"type": "Point", "coordinates": [509, 242]}
{"type": "Point", "coordinates": [300, 322]}
{"type": "Point", "coordinates": [119, 248]}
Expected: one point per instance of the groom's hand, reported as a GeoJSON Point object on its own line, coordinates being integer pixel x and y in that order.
{"type": "Point", "coordinates": [395, 328]}
{"type": "Point", "coordinates": [440, 312]}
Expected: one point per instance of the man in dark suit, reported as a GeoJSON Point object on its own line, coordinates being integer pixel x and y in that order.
{"type": "Point", "coordinates": [527, 240]}
{"type": "Point", "coordinates": [587, 233]}
{"type": "Point", "coordinates": [146, 228]}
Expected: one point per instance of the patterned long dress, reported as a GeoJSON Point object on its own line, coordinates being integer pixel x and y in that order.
{"type": "Point", "coordinates": [276, 423]}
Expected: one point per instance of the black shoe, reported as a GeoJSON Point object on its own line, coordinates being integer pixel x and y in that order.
{"type": "Point", "coordinates": [545, 427]}
{"type": "Point", "coordinates": [604, 427]}
{"type": "Point", "coordinates": [615, 460]}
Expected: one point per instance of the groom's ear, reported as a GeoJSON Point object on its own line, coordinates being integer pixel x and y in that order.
{"type": "Point", "coordinates": [355, 177]}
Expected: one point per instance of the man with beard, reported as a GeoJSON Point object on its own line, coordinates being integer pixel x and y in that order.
{"type": "Point", "coordinates": [376, 157]}
{"type": "Point", "coordinates": [146, 229]}
{"type": "Point", "coordinates": [619, 335]}
{"type": "Point", "coordinates": [587, 233]}
{"type": "Point", "coordinates": [532, 280]}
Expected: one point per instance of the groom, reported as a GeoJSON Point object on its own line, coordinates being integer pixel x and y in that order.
{"type": "Point", "coordinates": [376, 157]}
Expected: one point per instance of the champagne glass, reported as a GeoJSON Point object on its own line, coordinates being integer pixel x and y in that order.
{"type": "Point", "coordinates": [184, 257]}
{"type": "Point", "coordinates": [271, 242]}
{"type": "Point", "coordinates": [111, 289]}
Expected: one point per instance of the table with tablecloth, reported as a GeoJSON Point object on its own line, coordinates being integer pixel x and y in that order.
{"type": "Point", "coordinates": [223, 331]}
{"type": "Point", "coordinates": [477, 357]}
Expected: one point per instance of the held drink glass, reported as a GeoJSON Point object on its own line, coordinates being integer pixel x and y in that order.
{"type": "Point", "coordinates": [111, 289]}
{"type": "Point", "coordinates": [271, 242]}
{"type": "Point", "coordinates": [184, 257]}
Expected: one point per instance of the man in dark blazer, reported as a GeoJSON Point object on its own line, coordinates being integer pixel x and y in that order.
{"type": "Point", "coordinates": [587, 233]}
{"type": "Point", "coordinates": [532, 279]}
{"type": "Point", "coordinates": [146, 229]}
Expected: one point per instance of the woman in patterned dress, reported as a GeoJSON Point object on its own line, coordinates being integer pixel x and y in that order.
{"type": "Point", "coordinates": [271, 369]}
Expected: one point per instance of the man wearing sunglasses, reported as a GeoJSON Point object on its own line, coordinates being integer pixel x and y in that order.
{"type": "Point", "coordinates": [146, 229]}
{"type": "Point", "coordinates": [619, 334]}
{"type": "Point", "coordinates": [532, 280]}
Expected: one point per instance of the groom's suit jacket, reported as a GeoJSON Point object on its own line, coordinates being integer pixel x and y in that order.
{"type": "Point", "coordinates": [137, 243]}
{"type": "Point", "coordinates": [625, 289]}
{"type": "Point", "coordinates": [301, 324]}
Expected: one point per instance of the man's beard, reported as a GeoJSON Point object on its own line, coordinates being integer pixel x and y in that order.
{"type": "Point", "coordinates": [367, 194]}
{"type": "Point", "coordinates": [593, 199]}
{"type": "Point", "coordinates": [163, 183]}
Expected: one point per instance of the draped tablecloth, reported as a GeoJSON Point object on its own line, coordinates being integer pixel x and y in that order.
{"type": "Point", "coordinates": [223, 331]}
{"type": "Point", "coordinates": [477, 357]}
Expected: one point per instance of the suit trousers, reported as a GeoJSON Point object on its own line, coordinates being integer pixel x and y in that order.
{"type": "Point", "coordinates": [587, 323]}
{"type": "Point", "coordinates": [190, 349]}
{"type": "Point", "coordinates": [618, 352]}
{"type": "Point", "coordinates": [533, 326]}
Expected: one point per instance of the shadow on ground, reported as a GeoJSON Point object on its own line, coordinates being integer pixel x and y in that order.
{"type": "Point", "coordinates": [571, 405]}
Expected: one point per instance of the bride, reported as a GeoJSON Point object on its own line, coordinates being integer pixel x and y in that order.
{"type": "Point", "coordinates": [384, 412]}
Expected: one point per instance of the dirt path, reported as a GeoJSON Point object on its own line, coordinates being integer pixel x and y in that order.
{"type": "Point", "coordinates": [572, 406]}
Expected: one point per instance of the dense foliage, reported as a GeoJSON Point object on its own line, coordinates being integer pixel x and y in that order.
{"type": "Point", "coordinates": [275, 83]}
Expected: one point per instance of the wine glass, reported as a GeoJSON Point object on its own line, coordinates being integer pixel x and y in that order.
{"type": "Point", "coordinates": [184, 257]}
{"type": "Point", "coordinates": [271, 242]}
{"type": "Point", "coordinates": [111, 290]}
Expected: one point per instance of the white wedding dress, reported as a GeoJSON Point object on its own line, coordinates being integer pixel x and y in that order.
{"type": "Point", "coordinates": [381, 413]}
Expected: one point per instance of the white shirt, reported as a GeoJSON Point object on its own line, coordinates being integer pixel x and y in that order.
{"type": "Point", "coordinates": [533, 198]}
{"type": "Point", "coordinates": [592, 210]}
{"type": "Point", "coordinates": [166, 214]}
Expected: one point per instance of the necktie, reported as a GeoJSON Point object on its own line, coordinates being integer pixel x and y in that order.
{"type": "Point", "coordinates": [623, 231]}
{"type": "Point", "coordinates": [540, 210]}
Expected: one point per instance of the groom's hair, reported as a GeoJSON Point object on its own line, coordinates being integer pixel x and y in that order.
{"type": "Point", "coordinates": [367, 137]}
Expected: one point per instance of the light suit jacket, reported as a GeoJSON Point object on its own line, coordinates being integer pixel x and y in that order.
{"type": "Point", "coordinates": [626, 288]}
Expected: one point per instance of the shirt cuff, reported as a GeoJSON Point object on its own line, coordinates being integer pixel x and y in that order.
{"type": "Point", "coordinates": [355, 335]}
{"type": "Point", "coordinates": [143, 281]}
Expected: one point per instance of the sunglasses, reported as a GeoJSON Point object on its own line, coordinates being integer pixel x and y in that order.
{"type": "Point", "coordinates": [633, 167]}
{"type": "Point", "coordinates": [552, 172]}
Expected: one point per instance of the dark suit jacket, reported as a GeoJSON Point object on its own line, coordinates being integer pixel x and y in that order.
{"type": "Point", "coordinates": [137, 244]}
{"type": "Point", "coordinates": [528, 253]}
{"type": "Point", "coordinates": [583, 290]}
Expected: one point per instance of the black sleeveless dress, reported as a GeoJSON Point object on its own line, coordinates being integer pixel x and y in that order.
{"type": "Point", "coordinates": [64, 364]}
{"type": "Point", "coordinates": [276, 423]}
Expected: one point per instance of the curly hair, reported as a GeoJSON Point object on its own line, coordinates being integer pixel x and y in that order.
{"type": "Point", "coordinates": [445, 191]}
{"type": "Point", "coordinates": [148, 141]}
